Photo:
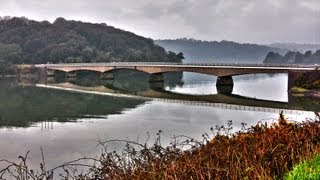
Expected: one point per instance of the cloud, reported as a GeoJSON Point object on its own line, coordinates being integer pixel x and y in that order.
{"type": "Point", "coordinates": [259, 21]}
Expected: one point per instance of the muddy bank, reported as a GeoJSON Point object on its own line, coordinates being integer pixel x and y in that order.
{"type": "Point", "coordinates": [313, 93]}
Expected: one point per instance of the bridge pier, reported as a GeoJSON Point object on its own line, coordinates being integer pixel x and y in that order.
{"type": "Point", "coordinates": [224, 81]}
{"type": "Point", "coordinates": [157, 77]}
{"type": "Point", "coordinates": [42, 72]}
{"type": "Point", "coordinates": [49, 80]}
{"type": "Point", "coordinates": [107, 76]}
{"type": "Point", "coordinates": [107, 83]}
{"type": "Point", "coordinates": [224, 84]}
{"type": "Point", "coordinates": [71, 75]}
{"type": "Point", "coordinates": [224, 89]}
{"type": "Point", "coordinates": [49, 73]}
{"type": "Point", "coordinates": [156, 85]}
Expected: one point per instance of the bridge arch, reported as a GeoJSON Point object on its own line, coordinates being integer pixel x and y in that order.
{"type": "Point", "coordinates": [216, 71]}
{"type": "Point", "coordinates": [219, 70]}
{"type": "Point", "coordinates": [51, 72]}
{"type": "Point", "coordinates": [125, 69]}
{"type": "Point", "coordinates": [83, 70]}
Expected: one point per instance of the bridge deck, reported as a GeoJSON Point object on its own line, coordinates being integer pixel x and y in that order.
{"type": "Point", "coordinates": [189, 65]}
{"type": "Point", "coordinates": [294, 71]}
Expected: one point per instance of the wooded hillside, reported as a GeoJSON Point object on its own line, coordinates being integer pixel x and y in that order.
{"type": "Point", "coordinates": [293, 57]}
{"type": "Point", "coordinates": [27, 41]}
{"type": "Point", "coordinates": [220, 52]}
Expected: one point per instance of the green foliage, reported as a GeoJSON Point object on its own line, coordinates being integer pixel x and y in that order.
{"type": "Point", "coordinates": [9, 54]}
{"type": "Point", "coordinates": [309, 80]}
{"type": "Point", "coordinates": [273, 58]}
{"type": "Point", "coordinates": [309, 169]}
{"type": "Point", "coordinates": [27, 41]}
{"type": "Point", "coordinates": [175, 57]}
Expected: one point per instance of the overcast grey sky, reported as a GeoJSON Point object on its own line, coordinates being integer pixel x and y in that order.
{"type": "Point", "coordinates": [255, 21]}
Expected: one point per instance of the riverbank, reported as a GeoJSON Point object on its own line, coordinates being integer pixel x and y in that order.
{"type": "Point", "coordinates": [262, 152]}
{"type": "Point", "coordinates": [20, 70]}
{"type": "Point", "coordinates": [259, 152]}
{"type": "Point", "coordinates": [314, 93]}
{"type": "Point", "coordinates": [299, 91]}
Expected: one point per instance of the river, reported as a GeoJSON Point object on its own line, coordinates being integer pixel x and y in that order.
{"type": "Point", "coordinates": [68, 118]}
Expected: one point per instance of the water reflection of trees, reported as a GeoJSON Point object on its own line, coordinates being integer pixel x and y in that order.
{"type": "Point", "coordinates": [22, 105]}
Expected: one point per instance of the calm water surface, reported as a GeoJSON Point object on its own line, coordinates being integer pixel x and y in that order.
{"type": "Point", "coordinates": [68, 124]}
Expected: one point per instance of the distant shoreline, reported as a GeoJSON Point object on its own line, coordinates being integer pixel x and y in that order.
{"type": "Point", "coordinates": [7, 75]}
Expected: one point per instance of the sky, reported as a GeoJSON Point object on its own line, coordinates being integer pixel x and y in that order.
{"type": "Point", "coordinates": [245, 21]}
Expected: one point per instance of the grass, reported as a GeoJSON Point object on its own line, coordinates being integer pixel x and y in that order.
{"type": "Point", "coordinates": [297, 89]}
{"type": "Point", "coordinates": [262, 152]}
{"type": "Point", "coordinates": [309, 169]}
{"type": "Point", "coordinates": [302, 92]}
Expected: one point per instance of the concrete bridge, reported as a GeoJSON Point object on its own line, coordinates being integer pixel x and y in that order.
{"type": "Point", "coordinates": [224, 72]}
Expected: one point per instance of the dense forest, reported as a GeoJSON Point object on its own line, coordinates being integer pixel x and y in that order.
{"type": "Point", "coordinates": [223, 51]}
{"type": "Point", "coordinates": [293, 57]}
{"type": "Point", "coordinates": [27, 41]}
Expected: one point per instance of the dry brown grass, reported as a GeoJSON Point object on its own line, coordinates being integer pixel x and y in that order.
{"type": "Point", "coordinates": [260, 153]}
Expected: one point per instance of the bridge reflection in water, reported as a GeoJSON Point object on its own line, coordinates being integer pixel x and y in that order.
{"type": "Point", "coordinates": [156, 92]}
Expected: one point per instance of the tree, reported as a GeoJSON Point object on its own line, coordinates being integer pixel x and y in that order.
{"type": "Point", "coordinates": [273, 58]}
{"type": "Point", "coordinates": [69, 41]}
{"type": "Point", "coordinates": [299, 58]}
{"type": "Point", "coordinates": [289, 57]}
{"type": "Point", "coordinates": [180, 56]}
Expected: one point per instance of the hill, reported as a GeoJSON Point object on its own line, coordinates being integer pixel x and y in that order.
{"type": "Point", "coordinates": [213, 51]}
{"type": "Point", "coordinates": [296, 47]}
{"type": "Point", "coordinates": [27, 41]}
{"type": "Point", "coordinates": [294, 57]}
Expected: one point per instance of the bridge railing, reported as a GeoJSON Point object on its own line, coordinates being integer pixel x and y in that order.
{"type": "Point", "coordinates": [181, 64]}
